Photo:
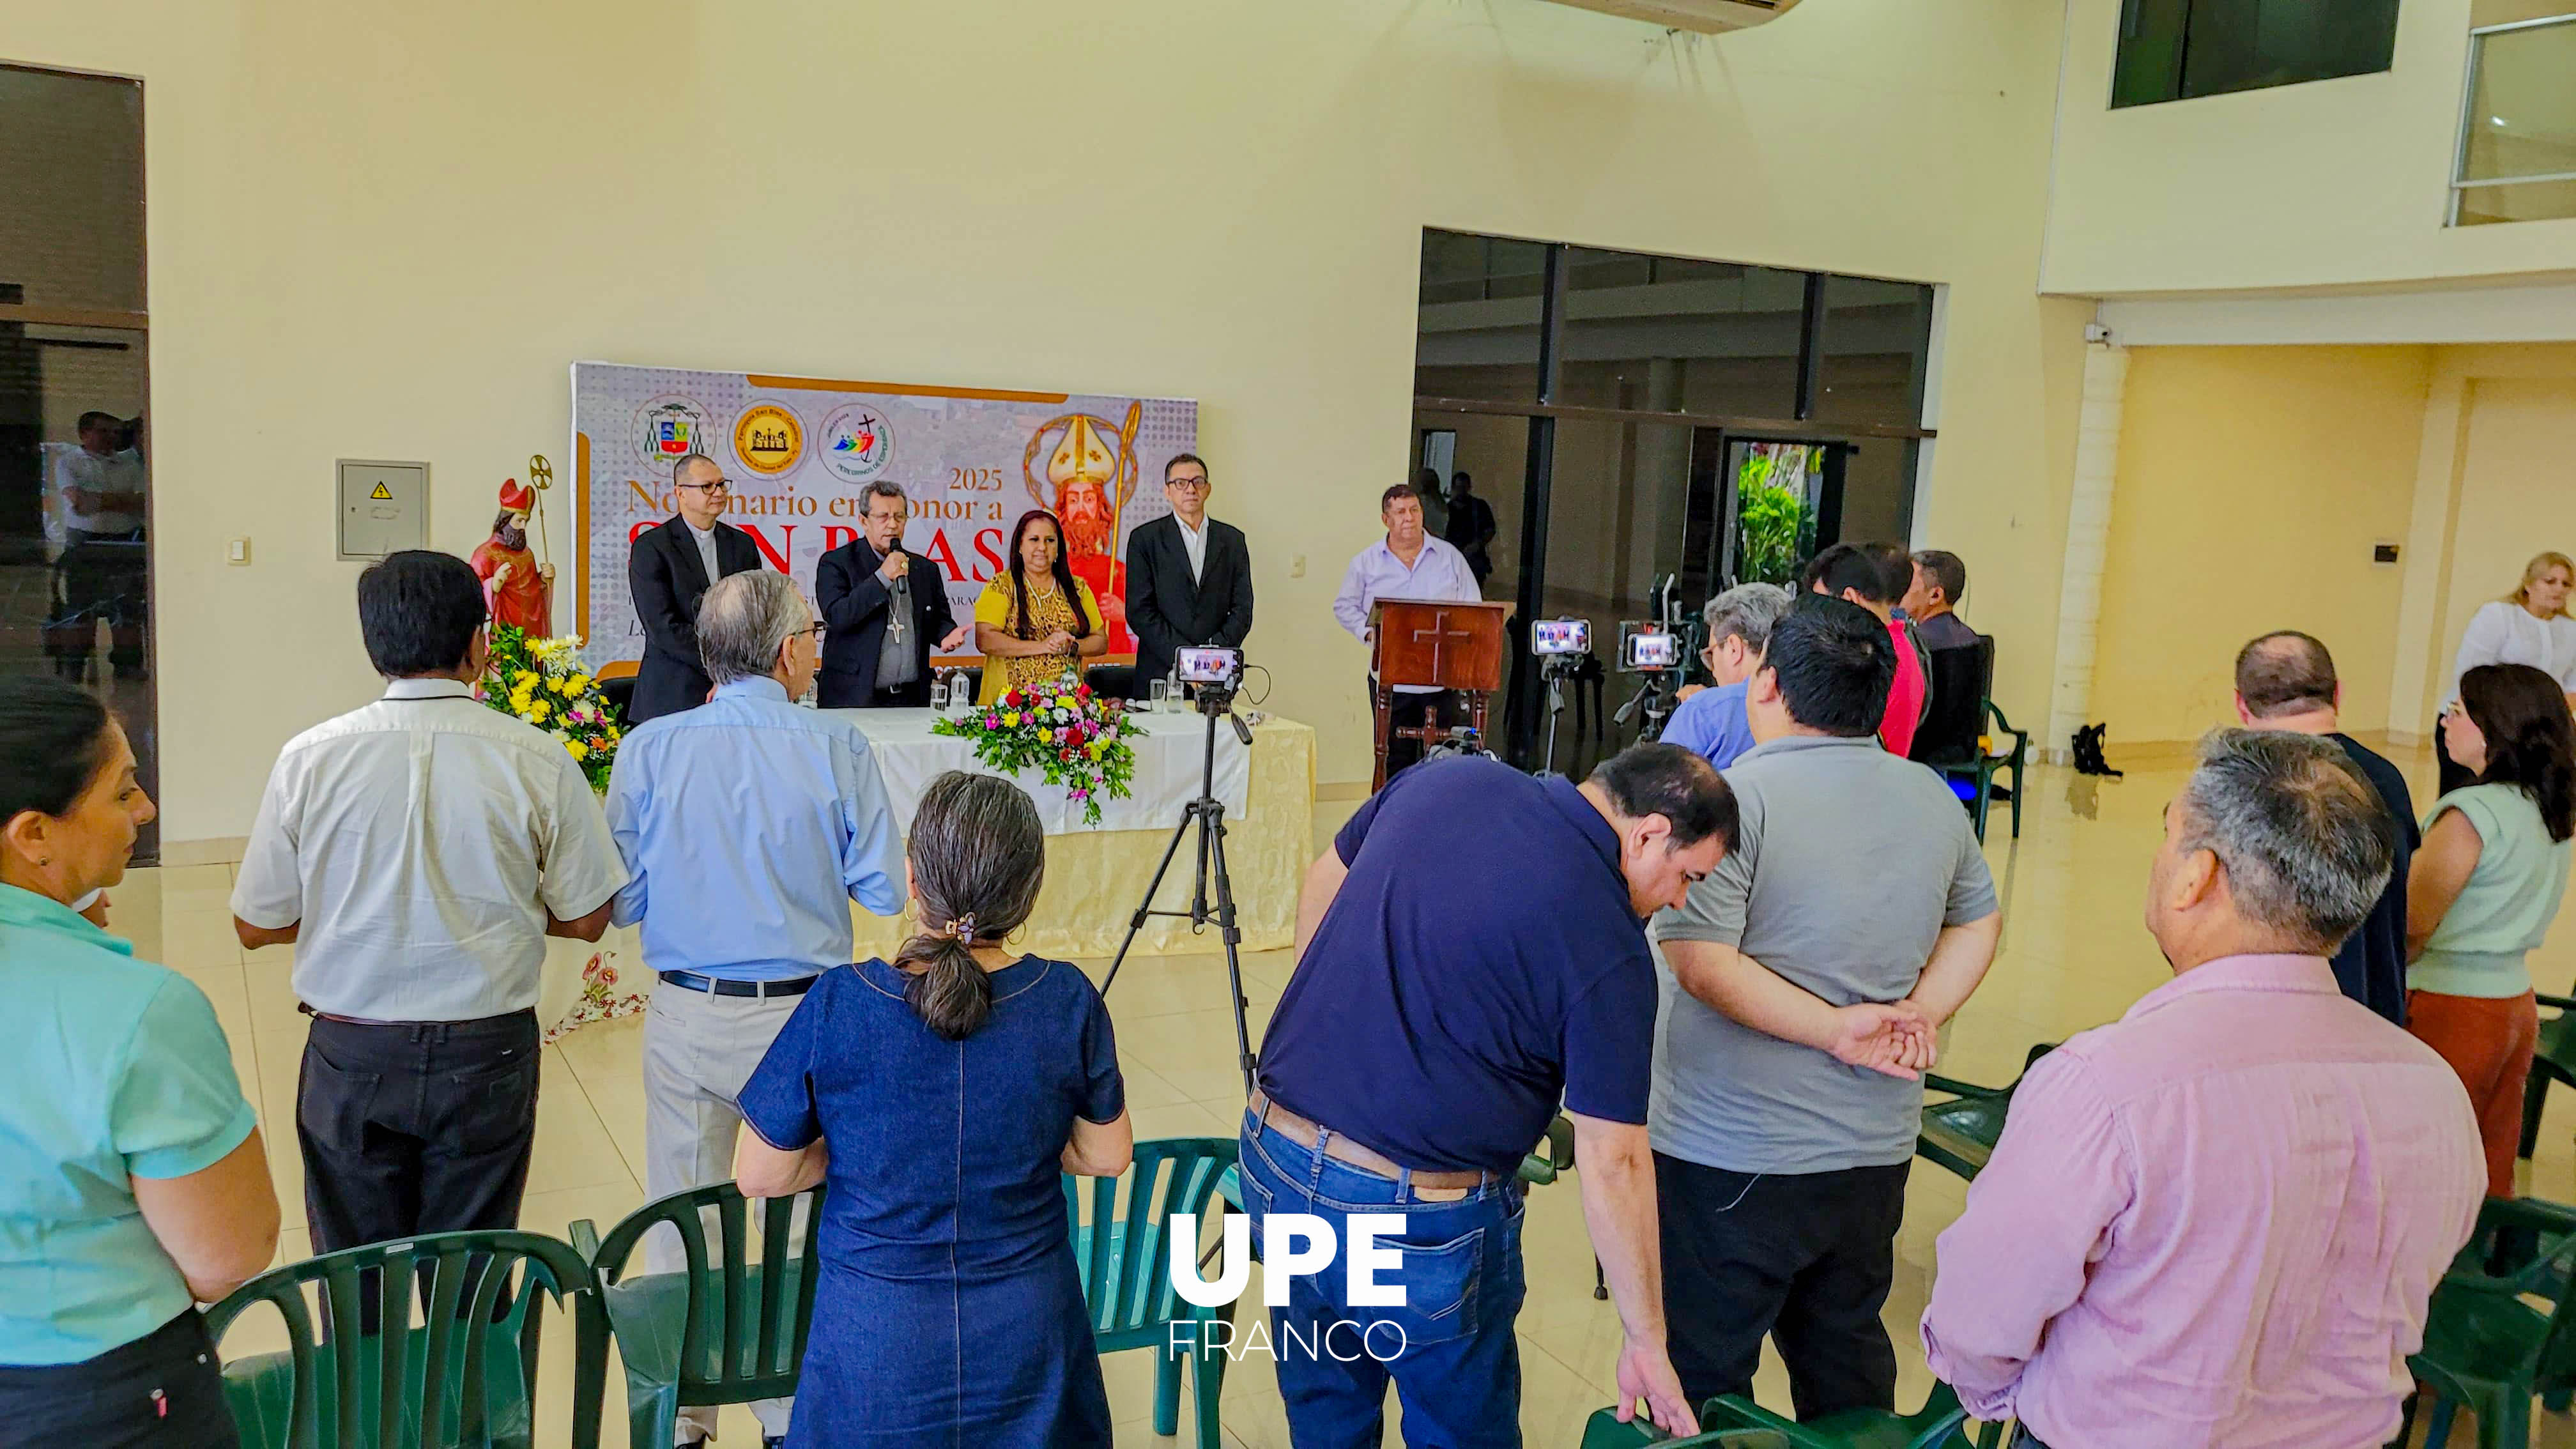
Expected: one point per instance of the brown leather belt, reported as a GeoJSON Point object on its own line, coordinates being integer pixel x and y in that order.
{"type": "Point", "coordinates": [1342, 1149]}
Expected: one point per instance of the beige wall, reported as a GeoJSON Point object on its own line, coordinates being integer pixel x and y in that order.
{"type": "Point", "coordinates": [2252, 483]}
{"type": "Point", "coordinates": [2495, 484]}
{"type": "Point", "coordinates": [382, 230]}
{"type": "Point", "coordinates": [2327, 183]}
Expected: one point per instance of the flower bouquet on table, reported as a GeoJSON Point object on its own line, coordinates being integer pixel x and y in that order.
{"type": "Point", "coordinates": [542, 681]}
{"type": "Point", "coordinates": [1073, 737]}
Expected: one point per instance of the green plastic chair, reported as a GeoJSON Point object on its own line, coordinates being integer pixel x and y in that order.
{"type": "Point", "coordinates": [350, 1389]}
{"type": "Point", "coordinates": [725, 1330]}
{"type": "Point", "coordinates": [1940, 1424]}
{"type": "Point", "coordinates": [2485, 1345]}
{"type": "Point", "coordinates": [1960, 1134]}
{"type": "Point", "coordinates": [1604, 1431]}
{"type": "Point", "coordinates": [1988, 764]}
{"type": "Point", "coordinates": [2553, 1059]}
{"type": "Point", "coordinates": [1125, 1267]}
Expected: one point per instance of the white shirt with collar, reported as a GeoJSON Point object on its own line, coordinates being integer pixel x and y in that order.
{"type": "Point", "coordinates": [2504, 632]}
{"type": "Point", "coordinates": [706, 538]}
{"type": "Point", "coordinates": [421, 841]}
{"type": "Point", "coordinates": [1194, 543]}
{"type": "Point", "coordinates": [120, 472]}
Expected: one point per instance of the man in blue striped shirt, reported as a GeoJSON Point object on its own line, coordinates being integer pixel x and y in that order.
{"type": "Point", "coordinates": [748, 825]}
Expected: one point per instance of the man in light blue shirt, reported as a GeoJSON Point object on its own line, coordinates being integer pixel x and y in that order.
{"type": "Point", "coordinates": [1711, 721]}
{"type": "Point", "coordinates": [748, 825]}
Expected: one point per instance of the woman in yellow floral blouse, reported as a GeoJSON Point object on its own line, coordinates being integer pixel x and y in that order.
{"type": "Point", "coordinates": [1036, 621]}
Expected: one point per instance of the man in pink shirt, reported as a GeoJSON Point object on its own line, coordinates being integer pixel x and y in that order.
{"type": "Point", "coordinates": [1857, 572]}
{"type": "Point", "coordinates": [2217, 1221]}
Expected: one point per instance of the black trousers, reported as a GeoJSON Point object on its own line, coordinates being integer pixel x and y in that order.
{"type": "Point", "coordinates": [412, 1128]}
{"type": "Point", "coordinates": [164, 1390]}
{"type": "Point", "coordinates": [1806, 1258]}
{"type": "Point", "coordinates": [1410, 711]}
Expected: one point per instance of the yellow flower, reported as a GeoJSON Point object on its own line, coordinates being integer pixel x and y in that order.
{"type": "Point", "coordinates": [577, 683]}
{"type": "Point", "coordinates": [1047, 735]}
{"type": "Point", "coordinates": [1096, 746]}
{"type": "Point", "coordinates": [577, 748]}
{"type": "Point", "coordinates": [539, 710]}
{"type": "Point", "coordinates": [1011, 721]}
{"type": "Point", "coordinates": [559, 686]}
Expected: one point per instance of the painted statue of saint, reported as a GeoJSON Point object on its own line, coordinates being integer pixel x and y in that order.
{"type": "Point", "coordinates": [518, 589]}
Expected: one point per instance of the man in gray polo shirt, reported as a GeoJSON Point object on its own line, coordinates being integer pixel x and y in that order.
{"type": "Point", "coordinates": [1803, 982]}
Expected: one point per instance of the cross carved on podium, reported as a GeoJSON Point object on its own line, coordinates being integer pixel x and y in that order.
{"type": "Point", "coordinates": [1439, 633]}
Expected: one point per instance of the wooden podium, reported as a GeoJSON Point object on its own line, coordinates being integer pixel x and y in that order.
{"type": "Point", "coordinates": [1439, 643]}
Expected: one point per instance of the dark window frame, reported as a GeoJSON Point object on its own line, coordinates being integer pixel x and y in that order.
{"type": "Point", "coordinates": [1544, 411]}
{"type": "Point", "coordinates": [2151, 61]}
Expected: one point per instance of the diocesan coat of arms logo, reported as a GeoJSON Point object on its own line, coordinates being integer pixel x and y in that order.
{"type": "Point", "coordinates": [667, 429]}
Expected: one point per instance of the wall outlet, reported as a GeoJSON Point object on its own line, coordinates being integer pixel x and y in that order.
{"type": "Point", "coordinates": [237, 552]}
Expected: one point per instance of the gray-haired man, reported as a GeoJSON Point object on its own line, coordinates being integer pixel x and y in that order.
{"type": "Point", "coordinates": [883, 610]}
{"type": "Point", "coordinates": [2248, 1181]}
{"type": "Point", "coordinates": [748, 826]}
{"type": "Point", "coordinates": [1711, 721]}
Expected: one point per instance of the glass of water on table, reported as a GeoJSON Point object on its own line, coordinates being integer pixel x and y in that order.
{"type": "Point", "coordinates": [1160, 691]}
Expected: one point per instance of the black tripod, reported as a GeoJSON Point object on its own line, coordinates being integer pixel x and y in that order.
{"type": "Point", "coordinates": [1208, 813]}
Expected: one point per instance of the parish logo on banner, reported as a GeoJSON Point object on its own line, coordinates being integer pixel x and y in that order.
{"type": "Point", "coordinates": [667, 429]}
{"type": "Point", "coordinates": [857, 443]}
{"type": "Point", "coordinates": [768, 439]}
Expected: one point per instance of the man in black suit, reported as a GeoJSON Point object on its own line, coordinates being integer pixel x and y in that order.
{"type": "Point", "coordinates": [1189, 578]}
{"type": "Point", "coordinates": [669, 570]}
{"type": "Point", "coordinates": [882, 611]}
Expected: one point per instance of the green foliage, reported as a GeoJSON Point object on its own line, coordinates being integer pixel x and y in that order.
{"type": "Point", "coordinates": [1070, 736]}
{"type": "Point", "coordinates": [1772, 526]}
{"type": "Point", "coordinates": [542, 682]}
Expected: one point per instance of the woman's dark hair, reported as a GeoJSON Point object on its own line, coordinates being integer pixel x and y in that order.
{"type": "Point", "coordinates": [978, 857]}
{"type": "Point", "coordinates": [2530, 742]}
{"type": "Point", "coordinates": [53, 743]}
{"type": "Point", "coordinates": [1022, 626]}
{"type": "Point", "coordinates": [1834, 661]}
{"type": "Point", "coordinates": [418, 609]}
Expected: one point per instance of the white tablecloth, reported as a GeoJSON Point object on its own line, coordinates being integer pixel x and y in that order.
{"type": "Point", "coordinates": [1169, 760]}
{"type": "Point", "coordinates": [1094, 877]}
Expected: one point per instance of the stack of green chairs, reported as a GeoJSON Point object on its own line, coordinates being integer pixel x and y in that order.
{"type": "Point", "coordinates": [2487, 1345]}
{"type": "Point", "coordinates": [466, 1378]}
{"type": "Point", "coordinates": [1940, 1424]}
{"type": "Point", "coordinates": [1125, 1267]}
{"type": "Point", "coordinates": [2553, 1059]}
{"type": "Point", "coordinates": [724, 1330]}
{"type": "Point", "coordinates": [1960, 1134]}
{"type": "Point", "coordinates": [1606, 1432]}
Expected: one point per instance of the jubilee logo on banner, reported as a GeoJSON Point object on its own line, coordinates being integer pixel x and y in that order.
{"type": "Point", "coordinates": [801, 453]}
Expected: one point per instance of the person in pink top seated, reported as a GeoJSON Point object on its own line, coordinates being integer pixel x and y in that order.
{"type": "Point", "coordinates": [1859, 572]}
{"type": "Point", "coordinates": [2217, 1221]}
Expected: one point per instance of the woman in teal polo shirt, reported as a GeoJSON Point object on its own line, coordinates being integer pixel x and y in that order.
{"type": "Point", "coordinates": [132, 1180]}
{"type": "Point", "coordinates": [2484, 888]}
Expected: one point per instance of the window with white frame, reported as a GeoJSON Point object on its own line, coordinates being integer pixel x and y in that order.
{"type": "Point", "coordinates": [2517, 152]}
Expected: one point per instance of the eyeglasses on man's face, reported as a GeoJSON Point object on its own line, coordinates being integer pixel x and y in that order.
{"type": "Point", "coordinates": [718, 486]}
{"type": "Point", "coordinates": [1186, 484]}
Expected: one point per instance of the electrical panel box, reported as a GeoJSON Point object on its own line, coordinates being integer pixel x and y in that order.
{"type": "Point", "coordinates": [383, 507]}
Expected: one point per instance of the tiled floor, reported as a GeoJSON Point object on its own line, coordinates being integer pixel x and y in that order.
{"type": "Point", "coordinates": [2073, 955]}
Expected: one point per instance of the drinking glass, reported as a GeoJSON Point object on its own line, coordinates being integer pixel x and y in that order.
{"type": "Point", "coordinates": [1162, 696]}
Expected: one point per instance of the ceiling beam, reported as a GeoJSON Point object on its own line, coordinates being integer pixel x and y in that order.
{"type": "Point", "coordinates": [1705, 16]}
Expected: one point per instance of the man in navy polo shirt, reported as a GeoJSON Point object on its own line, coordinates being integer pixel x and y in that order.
{"type": "Point", "coordinates": [1433, 1024]}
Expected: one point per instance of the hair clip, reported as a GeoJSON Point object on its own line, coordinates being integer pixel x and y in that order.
{"type": "Point", "coordinates": [963, 928]}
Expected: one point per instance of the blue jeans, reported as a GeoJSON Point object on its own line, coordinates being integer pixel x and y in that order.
{"type": "Point", "coordinates": [1449, 1347]}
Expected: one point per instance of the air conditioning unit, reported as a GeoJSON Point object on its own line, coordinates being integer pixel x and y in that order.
{"type": "Point", "coordinates": [1707, 16]}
